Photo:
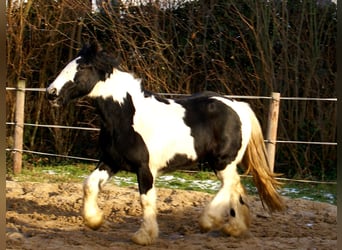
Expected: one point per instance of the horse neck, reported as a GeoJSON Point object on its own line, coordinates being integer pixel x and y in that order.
{"type": "Point", "coordinates": [117, 86]}
{"type": "Point", "coordinates": [114, 99]}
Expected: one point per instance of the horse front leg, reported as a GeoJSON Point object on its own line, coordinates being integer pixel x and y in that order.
{"type": "Point", "coordinates": [148, 231]}
{"type": "Point", "coordinates": [92, 214]}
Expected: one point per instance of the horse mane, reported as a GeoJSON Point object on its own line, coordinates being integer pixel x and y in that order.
{"type": "Point", "coordinates": [104, 62]}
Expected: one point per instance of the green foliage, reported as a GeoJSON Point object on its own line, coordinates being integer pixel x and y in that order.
{"type": "Point", "coordinates": [197, 181]}
{"type": "Point", "coordinates": [52, 173]}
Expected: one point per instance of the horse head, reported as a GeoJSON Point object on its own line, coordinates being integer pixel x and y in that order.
{"type": "Point", "coordinates": [78, 78]}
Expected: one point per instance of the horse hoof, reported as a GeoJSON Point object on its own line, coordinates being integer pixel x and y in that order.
{"type": "Point", "coordinates": [234, 229]}
{"type": "Point", "coordinates": [142, 237]}
{"type": "Point", "coordinates": [204, 227]}
{"type": "Point", "coordinates": [209, 222]}
{"type": "Point", "coordinates": [94, 222]}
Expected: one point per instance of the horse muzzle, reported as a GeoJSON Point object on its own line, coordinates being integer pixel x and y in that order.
{"type": "Point", "coordinates": [54, 99]}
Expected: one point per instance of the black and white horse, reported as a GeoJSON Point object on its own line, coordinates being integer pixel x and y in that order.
{"type": "Point", "coordinates": [146, 134]}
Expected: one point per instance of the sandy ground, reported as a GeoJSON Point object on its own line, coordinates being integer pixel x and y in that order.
{"type": "Point", "coordinates": [46, 216]}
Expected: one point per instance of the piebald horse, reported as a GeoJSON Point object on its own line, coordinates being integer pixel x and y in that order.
{"type": "Point", "coordinates": [146, 134]}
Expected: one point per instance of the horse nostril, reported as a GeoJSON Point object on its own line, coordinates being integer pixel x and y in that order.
{"type": "Point", "coordinates": [51, 93]}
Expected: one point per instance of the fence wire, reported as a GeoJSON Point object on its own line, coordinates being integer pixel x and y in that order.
{"type": "Point", "coordinates": [97, 129]}
{"type": "Point", "coordinates": [171, 95]}
{"type": "Point", "coordinates": [331, 99]}
{"type": "Point", "coordinates": [186, 171]}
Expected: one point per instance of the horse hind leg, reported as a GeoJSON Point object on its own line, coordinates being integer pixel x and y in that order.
{"type": "Point", "coordinates": [228, 211]}
{"type": "Point", "coordinates": [92, 214]}
{"type": "Point", "coordinates": [238, 217]}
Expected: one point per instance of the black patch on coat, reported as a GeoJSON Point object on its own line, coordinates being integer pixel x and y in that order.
{"type": "Point", "coordinates": [216, 129]}
{"type": "Point", "coordinates": [156, 96]}
{"type": "Point", "coordinates": [241, 200]}
{"type": "Point", "coordinates": [121, 147]}
{"type": "Point", "coordinates": [102, 61]}
{"type": "Point", "coordinates": [232, 212]}
{"type": "Point", "coordinates": [178, 161]}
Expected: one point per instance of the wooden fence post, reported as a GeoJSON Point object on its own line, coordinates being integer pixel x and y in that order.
{"type": "Point", "coordinates": [272, 126]}
{"type": "Point", "coordinates": [19, 127]}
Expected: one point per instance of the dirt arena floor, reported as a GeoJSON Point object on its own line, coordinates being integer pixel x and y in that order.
{"type": "Point", "coordinates": [46, 216]}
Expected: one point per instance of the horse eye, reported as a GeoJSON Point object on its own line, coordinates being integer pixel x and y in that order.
{"type": "Point", "coordinates": [84, 67]}
{"type": "Point", "coordinates": [81, 67]}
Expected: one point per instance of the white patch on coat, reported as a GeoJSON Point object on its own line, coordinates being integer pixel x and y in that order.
{"type": "Point", "coordinates": [230, 179]}
{"type": "Point", "coordinates": [148, 202]}
{"type": "Point", "coordinates": [66, 75]}
{"type": "Point", "coordinates": [148, 231]}
{"type": "Point", "coordinates": [163, 129]}
{"type": "Point", "coordinates": [117, 85]}
{"type": "Point", "coordinates": [92, 214]}
{"type": "Point", "coordinates": [161, 125]}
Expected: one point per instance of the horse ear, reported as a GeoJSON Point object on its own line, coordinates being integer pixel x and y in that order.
{"type": "Point", "coordinates": [90, 50]}
{"type": "Point", "coordinates": [95, 47]}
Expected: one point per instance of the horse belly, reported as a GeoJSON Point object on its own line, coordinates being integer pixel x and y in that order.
{"type": "Point", "coordinates": [166, 136]}
{"type": "Point", "coordinates": [171, 149]}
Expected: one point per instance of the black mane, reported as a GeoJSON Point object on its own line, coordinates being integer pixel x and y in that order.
{"type": "Point", "coordinates": [93, 54]}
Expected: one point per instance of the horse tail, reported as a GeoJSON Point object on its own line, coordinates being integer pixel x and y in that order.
{"type": "Point", "coordinates": [256, 161]}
